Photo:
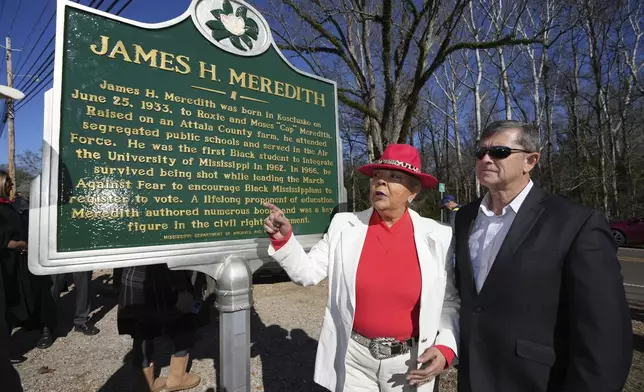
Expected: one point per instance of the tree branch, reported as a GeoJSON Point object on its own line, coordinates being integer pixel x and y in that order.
{"type": "Point", "coordinates": [357, 106]}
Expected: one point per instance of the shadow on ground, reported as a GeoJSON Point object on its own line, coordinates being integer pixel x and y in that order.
{"type": "Point", "coordinates": [23, 340]}
{"type": "Point", "coordinates": [102, 302]}
{"type": "Point", "coordinates": [287, 358]}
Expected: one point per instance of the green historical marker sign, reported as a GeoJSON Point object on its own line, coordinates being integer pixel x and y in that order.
{"type": "Point", "coordinates": [166, 139]}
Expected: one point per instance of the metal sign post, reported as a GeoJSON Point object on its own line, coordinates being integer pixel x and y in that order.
{"type": "Point", "coordinates": [234, 300]}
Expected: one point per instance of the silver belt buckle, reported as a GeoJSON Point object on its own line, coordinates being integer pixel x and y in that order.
{"type": "Point", "coordinates": [383, 348]}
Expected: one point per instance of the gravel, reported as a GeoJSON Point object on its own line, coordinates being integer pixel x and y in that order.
{"type": "Point", "coordinates": [285, 325]}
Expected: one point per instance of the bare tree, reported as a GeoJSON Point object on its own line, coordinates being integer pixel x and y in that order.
{"type": "Point", "coordinates": [477, 77]}
{"type": "Point", "coordinates": [630, 78]}
{"type": "Point", "coordinates": [387, 52]}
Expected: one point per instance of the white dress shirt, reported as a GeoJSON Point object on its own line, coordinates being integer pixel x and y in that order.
{"type": "Point", "coordinates": [489, 232]}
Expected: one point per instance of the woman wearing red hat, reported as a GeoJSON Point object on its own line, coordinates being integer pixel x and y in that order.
{"type": "Point", "coordinates": [391, 319]}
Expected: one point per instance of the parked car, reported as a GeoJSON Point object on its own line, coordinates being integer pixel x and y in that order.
{"type": "Point", "coordinates": [628, 232]}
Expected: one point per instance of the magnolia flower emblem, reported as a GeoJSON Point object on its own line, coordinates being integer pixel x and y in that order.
{"type": "Point", "coordinates": [233, 25]}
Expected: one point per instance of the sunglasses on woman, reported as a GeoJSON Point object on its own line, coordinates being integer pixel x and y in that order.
{"type": "Point", "coordinates": [497, 152]}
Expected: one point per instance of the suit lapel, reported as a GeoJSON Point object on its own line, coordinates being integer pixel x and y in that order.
{"type": "Point", "coordinates": [529, 212]}
{"type": "Point", "coordinates": [352, 242]}
{"type": "Point", "coordinates": [463, 251]}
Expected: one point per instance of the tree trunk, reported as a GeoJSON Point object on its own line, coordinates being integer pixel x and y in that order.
{"type": "Point", "coordinates": [613, 155]}
{"type": "Point", "coordinates": [477, 91]}
{"type": "Point", "coordinates": [581, 158]}
{"type": "Point", "coordinates": [457, 143]}
{"type": "Point", "coordinates": [601, 137]}
{"type": "Point", "coordinates": [505, 86]}
{"type": "Point", "coordinates": [626, 151]}
{"type": "Point", "coordinates": [548, 110]}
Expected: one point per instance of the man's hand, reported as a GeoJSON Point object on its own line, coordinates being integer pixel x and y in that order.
{"type": "Point", "coordinates": [433, 364]}
{"type": "Point", "coordinates": [184, 302]}
{"type": "Point", "coordinates": [276, 225]}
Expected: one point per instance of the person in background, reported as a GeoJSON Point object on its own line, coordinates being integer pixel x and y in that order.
{"type": "Point", "coordinates": [21, 203]}
{"type": "Point", "coordinates": [8, 375]}
{"type": "Point", "coordinates": [449, 203]}
{"type": "Point", "coordinates": [28, 297]}
{"type": "Point", "coordinates": [117, 276]}
{"type": "Point", "coordinates": [543, 307]}
{"type": "Point", "coordinates": [391, 320]}
{"type": "Point", "coordinates": [83, 306]}
{"type": "Point", "coordinates": [155, 301]}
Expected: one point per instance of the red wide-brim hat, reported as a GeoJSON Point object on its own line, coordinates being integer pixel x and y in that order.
{"type": "Point", "coordinates": [401, 157]}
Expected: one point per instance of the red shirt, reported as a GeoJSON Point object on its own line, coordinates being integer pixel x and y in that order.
{"type": "Point", "coordinates": [388, 282]}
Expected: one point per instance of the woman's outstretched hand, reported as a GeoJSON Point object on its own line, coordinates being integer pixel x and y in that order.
{"type": "Point", "coordinates": [276, 225]}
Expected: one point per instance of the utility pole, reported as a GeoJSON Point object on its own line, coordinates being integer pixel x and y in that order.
{"type": "Point", "coordinates": [10, 118]}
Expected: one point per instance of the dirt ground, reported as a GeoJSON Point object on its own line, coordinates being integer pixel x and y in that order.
{"type": "Point", "coordinates": [285, 324]}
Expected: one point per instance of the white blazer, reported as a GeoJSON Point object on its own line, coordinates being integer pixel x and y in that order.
{"type": "Point", "coordinates": [336, 256]}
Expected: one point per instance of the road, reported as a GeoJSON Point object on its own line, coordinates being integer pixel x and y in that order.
{"type": "Point", "coordinates": [633, 271]}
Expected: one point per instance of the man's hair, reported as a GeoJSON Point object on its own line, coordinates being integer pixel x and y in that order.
{"type": "Point", "coordinates": [528, 136]}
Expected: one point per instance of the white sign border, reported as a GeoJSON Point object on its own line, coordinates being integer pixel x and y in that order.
{"type": "Point", "coordinates": [44, 258]}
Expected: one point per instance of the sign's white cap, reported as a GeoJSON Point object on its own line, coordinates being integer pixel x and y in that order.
{"type": "Point", "coordinates": [10, 92]}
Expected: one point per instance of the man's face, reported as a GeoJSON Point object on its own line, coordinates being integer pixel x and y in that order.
{"type": "Point", "coordinates": [499, 173]}
{"type": "Point", "coordinates": [449, 205]}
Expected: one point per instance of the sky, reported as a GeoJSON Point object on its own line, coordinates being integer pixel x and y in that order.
{"type": "Point", "coordinates": [24, 21]}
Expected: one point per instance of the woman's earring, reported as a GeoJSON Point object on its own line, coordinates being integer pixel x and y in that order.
{"type": "Point", "coordinates": [410, 199]}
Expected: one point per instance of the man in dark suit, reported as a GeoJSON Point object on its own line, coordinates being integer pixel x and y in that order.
{"type": "Point", "coordinates": [543, 307]}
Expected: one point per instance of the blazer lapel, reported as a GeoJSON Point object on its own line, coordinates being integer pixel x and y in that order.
{"type": "Point", "coordinates": [352, 240]}
{"type": "Point", "coordinates": [425, 244]}
{"type": "Point", "coordinates": [524, 221]}
{"type": "Point", "coordinates": [463, 257]}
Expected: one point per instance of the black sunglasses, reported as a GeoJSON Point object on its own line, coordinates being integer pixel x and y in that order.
{"type": "Point", "coordinates": [497, 152]}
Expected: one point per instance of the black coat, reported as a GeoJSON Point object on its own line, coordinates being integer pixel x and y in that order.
{"type": "Point", "coordinates": [28, 296]}
{"type": "Point", "coordinates": [147, 303]}
{"type": "Point", "coordinates": [8, 375]}
{"type": "Point", "coordinates": [552, 314]}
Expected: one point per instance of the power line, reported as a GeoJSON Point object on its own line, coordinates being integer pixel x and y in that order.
{"type": "Point", "coordinates": [31, 88]}
{"type": "Point", "coordinates": [36, 78]}
{"type": "Point", "coordinates": [36, 44]}
{"type": "Point", "coordinates": [35, 94]}
{"type": "Point", "coordinates": [52, 39]}
{"type": "Point", "coordinates": [51, 53]}
{"type": "Point", "coordinates": [53, 14]}
{"type": "Point", "coordinates": [46, 79]}
{"type": "Point", "coordinates": [99, 4]}
{"type": "Point", "coordinates": [31, 33]}
{"type": "Point", "coordinates": [124, 7]}
{"type": "Point", "coordinates": [49, 43]}
{"type": "Point", "coordinates": [15, 15]}
{"type": "Point", "coordinates": [2, 9]}
{"type": "Point", "coordinates": [108, 9]}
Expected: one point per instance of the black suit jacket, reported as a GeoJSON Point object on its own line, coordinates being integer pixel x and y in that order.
{"type": "Point", "coordinates": [552, 314]}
